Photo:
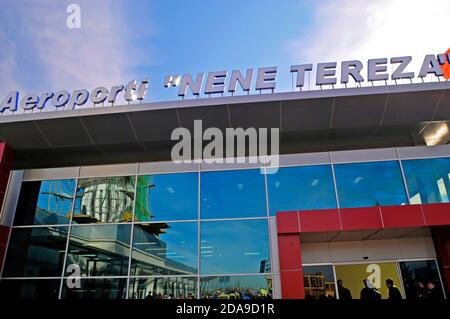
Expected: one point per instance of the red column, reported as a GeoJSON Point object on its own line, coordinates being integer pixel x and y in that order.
{"type": "Point", "coordinates": [289, 250]}
{"type": "Point", "coordinates": [441, 239]}
{"type": "Point", "coordinates": [6, 162]}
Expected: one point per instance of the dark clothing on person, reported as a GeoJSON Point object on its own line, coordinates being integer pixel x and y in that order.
{"type": "Point", "coordinates": [370, 294]}
{"type": "Point", "coordinates": [422, 293]}
{"type": "Point", "coordinates": [344, 293]}
{"type": "Point", "coordinates": [435, 294]}
{"type": "Point", "coordinates": [394, 293]}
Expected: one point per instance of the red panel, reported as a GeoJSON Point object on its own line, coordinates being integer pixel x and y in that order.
{"type": "Point", "coordinates": [402, 216]}
{"type": "Point", "coordinates": [287, 223]}
{"type": "Point", "coordinates": [292, 285]}
{"type": "Point", "coordinates": [6, 155]}
{"type": "Point", "coordinates": [5, 169]}
{"type": "Point", "coordinates": [360, 218]}
{"type": "Point", "coordinates": [436, 214]}
{"type": "Point", "coordinates": [4, 233]}
{"type": "Point", "coordinates": [289, 251]}
{"type": "Point", "coordinates": [319, 220]}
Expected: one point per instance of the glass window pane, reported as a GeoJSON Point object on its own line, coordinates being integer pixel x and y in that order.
{"type": "Point", "coordinates": [318, 282]}
{"type": "Point", "coordinates": [236, 287]}
{"type": "Point", "coordinates": [163, 288]}
{"type": "Point", "coordinates": [45, 202]}
{"type": "Point", "coordinates": [107, 288]}
{"type": "Point", "coordinates": [165, 249]}
{"type": "Point", "coordinates": [370, 184]}
{"type": "Point", "coordinates": [428, 180]}
{"type": "Point", "coordinates": [301, 188]}
{"type": "Point", "coordinates": [104, 200]}
{"type": "Point", "coordinates": [167, 197]}
{"type": "Point", "coordinates": [99, 250]}
{"type": "Point", "coordinates": [31, 289]}
{"type": "Point", "coordinates": [36, 252]}
{"type": "Point", "coordinates": [234, 247]}
{"type": "Point", "coordinates": [231, 194]}
{"type": "Point", "coordinates": [416, 275]}
{"type": "Point", "coordinates": [352, 276]}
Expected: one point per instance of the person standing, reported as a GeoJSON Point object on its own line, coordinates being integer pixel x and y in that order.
{"type": "Point", "coordinates": [434, 292]}
{"type": "Point", "coordinates": [369, 292]}
{"type": "Point", "coordinates": [394, 293]}
{"type": "Point", "coordinates": [422, 291]}
{"type": "Point", "coordinates": [344, 293]}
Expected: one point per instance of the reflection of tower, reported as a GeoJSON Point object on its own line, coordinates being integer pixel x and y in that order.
{"type": "Point", "coordinates": [144, 187]}
{"type": "Point", "coordinates": [106, 199]}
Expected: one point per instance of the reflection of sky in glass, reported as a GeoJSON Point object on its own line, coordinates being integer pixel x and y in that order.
{"type": "Point", "coordinates": [55, 202]}
{"type": "Point", "coordinates": [167, 197]}
{"type": "Point", "coordinates": [370, 184]}
{"type": "Point", "coordinates": [428, 180]}
{"type": "Point", "coordinates": [231, 194]}
{"type": "Point", "coordinates": [233, 246]}
{"type": "Point", "coordinates": [301, 188]}
{"type": "Point", "coordinates": [179, 243]}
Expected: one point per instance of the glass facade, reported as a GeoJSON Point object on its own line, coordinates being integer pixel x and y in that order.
{"type": "Point", "coordinates": [104, 200]}
{"type": "Point", "coordinates": [165, 249]}
{"type": "Point", "coordinates": [167, 197]}
{"type": "Point", "coordinates": [370, 184]}
{"type": "Point", "coordinates": [189, 235]}
{"type": "Point", "coordinates": [428, 180]}
{"type": "Point", "coordinates": [45, 202]}
{"type": "Point", "coordinates": [234, 247]}
{"type": "Point", "coordinates": [233, 194]}
{"type": "Point", "coordinates": [301, 188]}
{"type": "Point", "coordinates": [318, 282]}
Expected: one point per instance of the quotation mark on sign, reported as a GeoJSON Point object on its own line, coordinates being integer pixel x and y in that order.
{"type": "Point", "coordinates": [74, 19]}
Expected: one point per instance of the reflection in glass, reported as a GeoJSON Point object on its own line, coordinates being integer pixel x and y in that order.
{"type": "Point", "coordinates": [238, 246]}
{"type": "Point", "coordinates": [301, 188]}
{"type": "Point", "coordinates": [45, 202]}
{"type": "Point", "coordinates": [428, 180]}
{"type": "Point", "coordinates": [370, 184]}
{"type": "Point", "coordinates": [167, 197]}
{"type": "Point", "coordinates": [36, 252]}
{"type": "Point", "coordinates": [104, 200]}
{"type": "Point", "coordinates": [165, 249]}
{"type": "Point", "coordinates": [236, 287]}
{"type": "Point", "coordinates": [100, 250]}
{"type": "Point", "coordinates": [233, 194]}
{"type": "Point", "coordinates": [318, 282]}
{"type": "Point", "coordinates": [107, 288]}
{"type": "Point", "coordinates": [416, 275]}
{"type": "Point", "coordinates": [31, 289]}
{"type": "Point", "coordinates": [163, 288]}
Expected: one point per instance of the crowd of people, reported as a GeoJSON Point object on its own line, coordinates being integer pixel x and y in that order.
{"type": "Point", "coordinates": [430, 291]}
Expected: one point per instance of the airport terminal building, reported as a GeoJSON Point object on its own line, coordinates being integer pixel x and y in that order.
{"type": "Point", "coordinates": [362, 192]}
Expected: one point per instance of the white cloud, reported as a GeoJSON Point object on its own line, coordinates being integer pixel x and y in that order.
{"type": "Point", "coordinates": [39, 52]}
{"type": "Point", "coordinates": [354, 29]}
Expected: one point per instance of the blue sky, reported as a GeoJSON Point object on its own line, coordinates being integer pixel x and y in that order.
{"type": "Point", "coordinates": [122, 40]}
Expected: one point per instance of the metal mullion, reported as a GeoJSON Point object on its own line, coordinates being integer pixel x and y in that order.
{"type": "Point", "coordinates": [69, 232]}
{"type": "Point", "coordinates": [132, 232]}
{"type": "Point", "coordinates": [403, 176]}
{"type": "Point", "coordinates": [198, 232]}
